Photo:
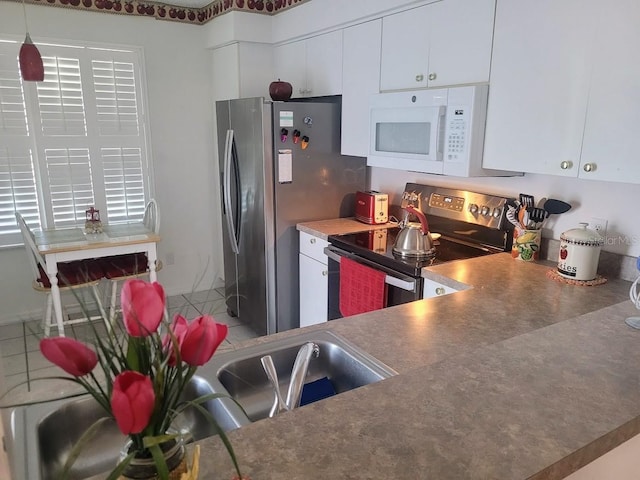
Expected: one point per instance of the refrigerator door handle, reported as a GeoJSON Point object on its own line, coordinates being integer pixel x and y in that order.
{"type": "Point", "coordinates": [229, 157]}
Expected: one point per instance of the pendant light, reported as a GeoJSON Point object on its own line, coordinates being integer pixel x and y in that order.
{"type": "Point", "coordinates": [31, 67]}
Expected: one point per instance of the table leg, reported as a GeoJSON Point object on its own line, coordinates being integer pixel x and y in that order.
{"type": "Point", "coordinates": [152, 256]}
{"type": "Point", "coordinates": [52, 272]}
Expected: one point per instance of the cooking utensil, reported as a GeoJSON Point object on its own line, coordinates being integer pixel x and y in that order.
{"type": "Point", "coordinates": [414, 240]}
{"type": "Point", "coordinates": [526, 200]}
{"type": "Point", "coordinates": [536, 217]}
{"type": "Point", "coordinates": [555, 207]}
{"type": "Point", "coordinates": [512, 216]}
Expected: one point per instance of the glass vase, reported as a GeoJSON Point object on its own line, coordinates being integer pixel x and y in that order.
{"type": "Point", "coordinates": [144, 468]}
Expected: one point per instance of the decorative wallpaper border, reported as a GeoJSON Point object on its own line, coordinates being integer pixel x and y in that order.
{"type": "Point", "coordinates": [164, 11]}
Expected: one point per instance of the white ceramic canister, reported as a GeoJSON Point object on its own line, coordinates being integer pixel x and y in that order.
{"type": "Point", "coordinates": [579, 253]}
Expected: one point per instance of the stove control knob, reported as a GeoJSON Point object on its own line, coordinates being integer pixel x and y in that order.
{"type": "Point", "coordinates": [497, 212]}
{"type": "Point", "coordinates": [473, 208]}
{"type": "Point", "coordinates": [485, 210]}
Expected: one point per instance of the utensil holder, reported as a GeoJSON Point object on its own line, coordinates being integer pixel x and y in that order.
{"type": "Point", "coordinates": [526, 244]}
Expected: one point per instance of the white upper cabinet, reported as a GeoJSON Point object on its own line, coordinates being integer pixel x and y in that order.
{"type": "Point", "coordinates": [539, 85]}
{"type": "Point", "coordinates": [611, 145]}
{"type": "Point", "coordinates": [312, 66]}
{"type": "Point", "coordinates": [360, 79]}
{"type": "Point", "coordinates": [242, 69]}
{"type": "Point", "coordinates": [439, 44]}
{"type": "Point", "coordinates": [564, 98]}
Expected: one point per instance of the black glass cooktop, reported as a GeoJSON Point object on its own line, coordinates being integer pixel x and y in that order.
{"type": "Point", "coordinates": [377, 246]}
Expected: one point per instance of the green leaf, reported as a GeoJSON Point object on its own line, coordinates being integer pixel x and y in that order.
{"type": "Point", "coordinates": [133, 359]}
{"type": "Point", "coordinates": [80, 444]}
{"type": "Point", "coordinates": [115, 474]}
{"type": "Point", "coordinates": [149, 442]}
{"type": "Point", "coordinates": [160, 462]}
{"type": "Point", "coordinates": [222, 434]}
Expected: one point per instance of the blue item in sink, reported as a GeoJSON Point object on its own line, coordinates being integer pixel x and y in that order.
{"type": "Point", "coordinates": [317, 390]}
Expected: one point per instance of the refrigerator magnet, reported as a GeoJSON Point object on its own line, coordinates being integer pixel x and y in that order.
{"type": "Point", "coordinates": [285, 170]}
{"type": "Point", "coordinates": [286, 119]}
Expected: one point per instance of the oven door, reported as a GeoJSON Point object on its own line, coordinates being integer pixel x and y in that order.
{"type": "Point", "coordinates": [400, 288]}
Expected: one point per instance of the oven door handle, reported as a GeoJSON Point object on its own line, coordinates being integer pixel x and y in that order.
{"type": "Point", "coordinates": [405, 283]}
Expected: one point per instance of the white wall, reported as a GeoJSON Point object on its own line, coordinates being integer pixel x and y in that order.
{"type": "Point", "coordinates": [615, 202]}
{"type": "Point", "coordinates": [181, 114]}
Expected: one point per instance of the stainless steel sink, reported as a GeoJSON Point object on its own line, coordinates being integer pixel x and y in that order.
{"type": "Point", "coordinates": [346, 367]}
{"type": "Point", "coordinates": [44, 434]}
{"type": "Point", "coordinates": [38, 438]}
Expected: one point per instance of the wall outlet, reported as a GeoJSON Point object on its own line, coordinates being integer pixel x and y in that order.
{"type": "Point", "coordinates": [599, 225]}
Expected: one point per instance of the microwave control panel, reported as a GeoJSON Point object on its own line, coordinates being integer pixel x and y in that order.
{"type": "Point", "coordinates": [456, 132]}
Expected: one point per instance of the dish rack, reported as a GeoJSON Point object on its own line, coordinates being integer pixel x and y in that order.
{"type": "Point", "coordinates": [634, 295]}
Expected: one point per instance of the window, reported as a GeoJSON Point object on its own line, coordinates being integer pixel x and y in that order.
{"type": "Point", "coordinates": [76, 140]}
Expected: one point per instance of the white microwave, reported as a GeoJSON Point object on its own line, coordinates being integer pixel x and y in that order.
{"type": "Point", "coordinates": [437, 131]}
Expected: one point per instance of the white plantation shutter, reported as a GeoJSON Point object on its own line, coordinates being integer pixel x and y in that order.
{"type": "Point", "coordinates": [76, 140]}
{"type": "Point", "coordinates": [123, 183]}
{"type": "Point", "coordinates": [70, 184]}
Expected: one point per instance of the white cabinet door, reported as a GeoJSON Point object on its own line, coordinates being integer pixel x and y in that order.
{"type": "Point", "coordinates": [360, 79]}
{"type": "Point", "coordinates": [313, 66]}
{"type": "Point", "coordinates": [443, 43]}
{"type": "Point", "coordinates": [460, 45]}
{"type": "Point", "coordinates": [313, 291]}
{"type": "Point", "coordinates": [405, 50]}
{"type": "Point", "coordinates": [539, 85]}
{"type": "Point", "coordinates": [290, 66]}
{"type": "Point", "coordinates": [324, 64]}
{"type": "Point", "coordinates": [611, 142]}
{"type": "Point", "coordinates": [242, 69]}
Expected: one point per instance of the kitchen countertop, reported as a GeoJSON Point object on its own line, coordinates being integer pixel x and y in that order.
{"type": "Point", "coordinates": [519, 377]}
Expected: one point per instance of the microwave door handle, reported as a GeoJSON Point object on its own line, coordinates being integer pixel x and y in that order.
{"type": "Point", "coordinates": [406, 283]}
{"type": "Point", "coordinates": [441, 132]}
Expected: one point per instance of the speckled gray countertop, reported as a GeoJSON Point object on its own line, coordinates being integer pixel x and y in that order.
{"type": "Point", "coordinates": [519, 377]}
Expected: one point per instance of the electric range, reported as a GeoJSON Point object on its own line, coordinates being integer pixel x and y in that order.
{"type": "Point", "coordinates": [469, 224]}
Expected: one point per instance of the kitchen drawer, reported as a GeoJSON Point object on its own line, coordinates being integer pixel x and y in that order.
{"type": "Point", "coordinates": [313, 247]}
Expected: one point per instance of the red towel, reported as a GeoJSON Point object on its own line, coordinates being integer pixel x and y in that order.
{"type": "Point", "coordinates": [362, 289]}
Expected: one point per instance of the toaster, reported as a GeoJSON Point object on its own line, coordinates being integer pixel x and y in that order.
{"type": "Point", "coordinates": [372, 207]}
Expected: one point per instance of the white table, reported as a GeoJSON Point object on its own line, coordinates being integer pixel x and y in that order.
{"type": "Point", "coordinates": [65, 245]}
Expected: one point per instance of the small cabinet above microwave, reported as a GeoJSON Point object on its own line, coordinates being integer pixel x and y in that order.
{"type": "Point", "coordinates": [437, 131]}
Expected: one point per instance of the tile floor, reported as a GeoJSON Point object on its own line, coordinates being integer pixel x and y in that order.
{"type": "Point", "coordinates": [21, 361]}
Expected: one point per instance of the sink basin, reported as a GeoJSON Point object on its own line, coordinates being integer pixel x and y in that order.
{"type": "Point", "coordinates": [54, 428]}
{"type": "Point", "coordinates": [38, 438]}
{"type": "Point", "coordinates": [346, 367]}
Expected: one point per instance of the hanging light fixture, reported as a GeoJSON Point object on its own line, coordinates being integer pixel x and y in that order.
{"type": "Point", "coordinates": [31, 67]}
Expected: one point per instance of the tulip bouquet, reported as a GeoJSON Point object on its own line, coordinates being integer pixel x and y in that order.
{"type": "Point", "coordinates": [144, 370]}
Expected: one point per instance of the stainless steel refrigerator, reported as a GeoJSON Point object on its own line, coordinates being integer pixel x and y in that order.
{"type": "Point", "coordinates": [279, 165]}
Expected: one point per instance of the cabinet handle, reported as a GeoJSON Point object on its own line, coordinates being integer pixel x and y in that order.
{"type": "Point", "coordinates": [419, 77]}
{"type": "Point", "coordinates": [432, 76]}
{"type": "Point", "coordinates": [324, 273]}
{"type": "Point", "coordinates": [566, 165]}
{"type": "Point", "coordinates": [440, 291]}
{"type": "Point", "coordinates": [589, 167]}
{"type": "Point", "coordinates": [312, 241]}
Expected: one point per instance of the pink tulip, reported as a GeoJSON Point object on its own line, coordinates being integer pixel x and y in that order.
{"type": "Point", "coordinates": [72, 356]}
{"type": "Point", "coordinates": [179, 328]}
{"type": "Point", "coordinates": [132, 401]}
{"type": "Point", "coordinates": [142, 307]}
{"type": "Point", "coordinates": [202, 339]}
